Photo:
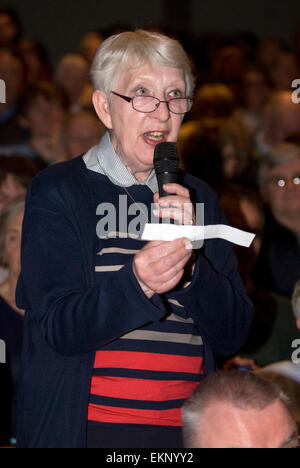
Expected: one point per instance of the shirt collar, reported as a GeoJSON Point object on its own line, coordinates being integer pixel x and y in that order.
{"type": "Point", "coordinates": [104, 160]}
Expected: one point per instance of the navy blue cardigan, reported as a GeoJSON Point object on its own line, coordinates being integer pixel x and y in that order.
{"type": "Point", "coordinates": [68, 316]}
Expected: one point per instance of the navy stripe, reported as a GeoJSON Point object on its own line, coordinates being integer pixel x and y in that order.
{"type": "Point", "coordinates": [154, 347]}
{"type": "Point", "coordinates": [147, 375]}
{"type": "Point", "coordinates": [135, 404]}
{"type": "Point", "coordinates": [169, 326]}
{"type": "Point", "coordinates": [134, 427]}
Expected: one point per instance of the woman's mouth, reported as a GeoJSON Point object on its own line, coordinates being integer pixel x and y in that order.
{"type": "Point", "coordinates": [153, 138]}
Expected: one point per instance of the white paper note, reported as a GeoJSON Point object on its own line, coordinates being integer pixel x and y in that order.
{"type": "Point", "coordinates": [170, 232]}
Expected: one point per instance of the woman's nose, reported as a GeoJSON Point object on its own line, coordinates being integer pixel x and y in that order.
{"type": "Point", "coordinates": [162, 111]}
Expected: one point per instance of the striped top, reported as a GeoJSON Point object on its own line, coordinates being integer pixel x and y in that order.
{"type": "Point", "coordinates": [143, 377]}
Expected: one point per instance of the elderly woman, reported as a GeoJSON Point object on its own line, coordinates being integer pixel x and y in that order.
{"type": "Point", "coordinates": [118, 331]}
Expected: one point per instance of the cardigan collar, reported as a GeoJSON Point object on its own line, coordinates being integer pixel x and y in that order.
{"type": "Point", "coordinates": [104, 160]}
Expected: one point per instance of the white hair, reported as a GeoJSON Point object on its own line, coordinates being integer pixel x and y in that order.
{"type": "Point", "coordinates": [137, 48]}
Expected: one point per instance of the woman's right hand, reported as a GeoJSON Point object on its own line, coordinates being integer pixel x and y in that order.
{"type": "Point", "coordinates": [159, 266]}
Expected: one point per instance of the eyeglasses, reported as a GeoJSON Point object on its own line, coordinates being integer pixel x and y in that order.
{"type": "Point", "coordinates": [148, 104]}
{"type": "Point", "coordinates": [280, 182]}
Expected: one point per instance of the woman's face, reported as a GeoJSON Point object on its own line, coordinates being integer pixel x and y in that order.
{"type": "Point", "coordinates": [44, 116]}
{"type": "Point", "coordinates": [9, 189]}
{"type": "Point", "coordinates": [282, 194]}
{"type": "Point", "coordinates": [134, 135]}
{"type": "Point", "coordinates": [12, 244]}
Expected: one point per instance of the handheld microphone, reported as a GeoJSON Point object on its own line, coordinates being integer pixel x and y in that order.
{"type": "Point", "coordinates": [166, 165]}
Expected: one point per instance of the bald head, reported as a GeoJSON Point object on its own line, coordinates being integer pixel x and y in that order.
{"type": "Point", "coordinates": [233, 409]}
{"type": "Point", "coordinates": [226, 426]}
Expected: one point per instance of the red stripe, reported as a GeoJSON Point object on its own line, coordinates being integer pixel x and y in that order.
{"type": "Point", "coordinates": [138, 389]}
{"type": "Point", "coordinates": [148, 361]}
{"type": "Point", "coordinates": [107, 414]}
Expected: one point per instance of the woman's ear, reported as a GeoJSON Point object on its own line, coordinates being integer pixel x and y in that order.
{"type": "Point", "coordinates": [102, 109]}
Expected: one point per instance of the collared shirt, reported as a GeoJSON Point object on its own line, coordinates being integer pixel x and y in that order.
{"type": "Point", "coordinates": [104, 160]}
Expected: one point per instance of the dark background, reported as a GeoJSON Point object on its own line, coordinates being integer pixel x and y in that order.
{"type": "Point", "coordinates": [61, 24]}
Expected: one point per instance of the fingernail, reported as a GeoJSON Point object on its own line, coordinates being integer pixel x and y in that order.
{"type": "Point", "coordinates": [188, 245]}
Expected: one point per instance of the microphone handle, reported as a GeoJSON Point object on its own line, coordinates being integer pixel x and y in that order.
{"type": "Point", "coordinates": [165, 178]}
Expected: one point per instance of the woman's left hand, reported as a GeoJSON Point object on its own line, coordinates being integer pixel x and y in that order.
{"type": "Point", "coordinates": [177, 205]}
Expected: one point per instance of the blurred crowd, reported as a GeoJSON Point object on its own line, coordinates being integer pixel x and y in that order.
{"type": "Point", "coordinates": [242, 137]}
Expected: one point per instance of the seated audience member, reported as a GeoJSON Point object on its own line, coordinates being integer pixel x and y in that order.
{"type": "Point", "coordinates": [233, 409]}
{"type": "Point", "coordinates": [236, 150]}
{"type": "Point", "coordinates": [255, 91]}
{"type": "Point", "coordinates": [72, 74]}
{"type": "Point", "coordinates": [83, 131]}
{"type": "Point", "coordinates": [11, 71]}
{"type": "Point", "coordinates": [213, 101]}
{"type": "Point", "coordinates": [10, 27]}
{"type": "Point", "coordinates": [273, 328]}
{"type": "Point", "coordinates": [200, 154]}
{"type": "Point", "coordinates": [89, 45]}
{"type": "Point", "coordinates": [16, 173]}
{"type": "Point", "coordinates": [11, 317]}
{"type": "Point", "coordinates": [227, 66]}
{"type": "Point", "coordinates": [281, 121]}
{"type": "Point", "coordinates": [43, 111]}
{"type": "Point", "coordinates": [279, 264]}
{"type": "Point", "coordinates": [35, 58]}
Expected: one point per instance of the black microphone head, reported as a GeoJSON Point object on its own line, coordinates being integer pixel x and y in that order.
{"type": "Point", "coordinates": [166, 165]}
{"type": "Point", "coordinates": [166, 158]}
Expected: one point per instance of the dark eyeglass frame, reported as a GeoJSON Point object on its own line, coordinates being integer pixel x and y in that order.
{"type": "Point", "coordinates": [130, 99]}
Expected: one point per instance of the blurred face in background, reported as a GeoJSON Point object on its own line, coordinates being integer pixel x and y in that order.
{"type": "Point", "coordinates": [44, 116]}
{"type": "Point", "coordinates": [8, 30]}
{"type": "Point", "coordinates": [9, 189]}
{"type": "Point", "coordinates": [73, 76]}
{"type": "Point", "coordinates": [82, 133]}
{"type": "Point", "coordinates": [282, 193]}
{"type": "Point", "coordinates": [89, 45]}
{"type": "Point", "coordinates": [255, 90]}
{"type": "Point", "coordinates": [12, 244]}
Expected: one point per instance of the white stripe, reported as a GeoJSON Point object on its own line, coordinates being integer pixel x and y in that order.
{"type": "Point", "coordinates": [177, 318]}
{"type": "Point", "coordinates": [106, 269]}
{"type": "Point", "coordinates": [166, 337]}
{"type": "Point", "coordinates": [113, 250]}
{"type": "Point", "coordinates": [121, 235]}
{"type": "Point", "coordinates": [176, 303]}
